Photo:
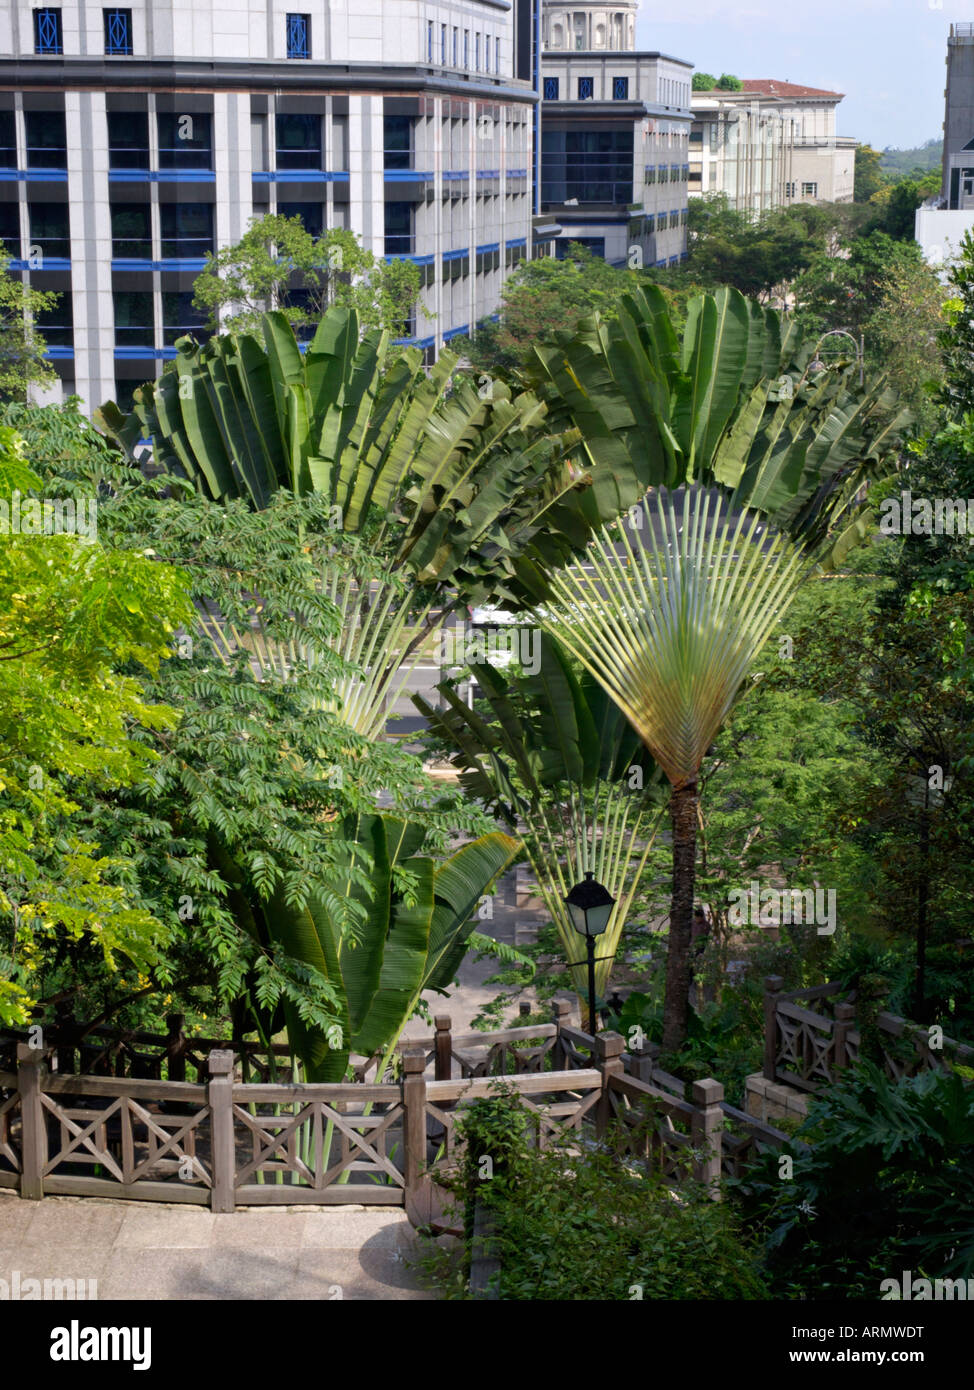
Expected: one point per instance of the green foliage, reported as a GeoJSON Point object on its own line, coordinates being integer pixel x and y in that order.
{"type": "Point", "coordinates": [278, 264]}
{"type": "Point", "coordinates": [957, 339]}
{"type": "Point", "coordinates": [911, 163]}
{"type": "Point", "coordinates": [76, 617]}
{"type": "Point", "coordinates": [22, 346]}
{"type": "Point", "coordinates": [551, 753]}
{"type": "Point", "coordinates": [868, 177]}
{"type": "Point", "coordinates": [703, 81]}
{"type": "Point", "coordinates": [580, 1225]}
{"type": "Point", "coordinates": [907, 1144]}
{"type": "Point", "coordinates": [753, 254]}
{"type": "Point", "coordinates": [726, 82]}
{"type": "Point", "coordinates": [537, 297]}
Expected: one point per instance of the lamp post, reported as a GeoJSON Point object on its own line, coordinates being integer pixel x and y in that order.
{"type": "Point", "coordinates": [590, 906]}
{"type": "Point", "coordinates": [858, 344]}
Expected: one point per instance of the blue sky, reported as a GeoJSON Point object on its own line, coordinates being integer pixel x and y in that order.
{"type": "Point", "coordinates": [887, 56]}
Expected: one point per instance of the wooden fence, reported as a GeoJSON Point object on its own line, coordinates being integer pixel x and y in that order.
{"type": "Point", "coordinates": [810, 1038]}
{"type": "Point", "coordinates": [223, 1141]}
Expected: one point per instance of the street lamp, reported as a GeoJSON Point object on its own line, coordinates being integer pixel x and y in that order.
{"type": "Point", "coordinates": [590, 906]}
{"type": "Point", "coordinates": [858, 346]}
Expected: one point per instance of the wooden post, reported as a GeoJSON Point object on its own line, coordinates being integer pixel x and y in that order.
{"type": "Point", "coordinates": [641, 1061]}
{"type": "Point", "coordinates": [175, 1048]}
{"type": "Point", "coordinates": [31, 1074]}
{"type": "Point", "coordinates": [609, 1048]}
{"type": "Point", "coordinates": [414, 1134]}
{"type": "Point", "coordinates": [706, 1127]}
{"type": "Point", "coordinates": [845, 1021]}
{"type": "Point", "coordinates": [219, 1094]}
{"type": "Point", "coordinates": [561, 1011]}
{"type": "Point", "coordinates": [772, 988]}
{"type": "Point", "coordinates": [444, 1047]}
{"type": "Point", "coordinates": [524, 1008]}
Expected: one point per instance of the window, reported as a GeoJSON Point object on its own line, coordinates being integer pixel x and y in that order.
{"type": "Point", "coordinates": [184, 140]}
{"type": "Point", "coordinates": [299, 36]}
{"type": "Point", "coordinates": [586, 88]}
{"type": "Point", "coordinates": [476, 50]}
{"type": "Point", "coordinates": [118, 32]}
{"type": "Point", "coordinates": [180, 318]}
{"type": "Point", "coordinates": [551, 89]}
{"type": "Point", "coordinates": [456, 47]}
{"type": "Point", "coordinates": [56, 323]}
{"type": "Point", "coordinates": [429, 41]}
{"type": "Point", "coordinates": [46, 140]}
{"type": "Point", "coordinates": [47, 31]}
{"type": "Point", "coordinates": [398, 229]}
{"type": "Point", "coordinates": [311, 214]}
{"type": "Point", "coordinates": [397, 140]}
{"type": "Point", "coordinates": [620, 89]}
{"type": "Point", "coordinates": [128, 140]}
{"type": "Point", "coordinates": [131, 238]}
{"type": "Point", "coordinates": [497, 55]}
{"type": "Point", "coordinates": [466, 48]}
{"type": "Point", "coordinates": [10, 228]}
{"type": "Point", "coordinates": [133, 318]}
{"type": "Point", "coordinates": [789, 190]}
{"type": "Point", "coordinates": [8, 141]}
{"type": "Point", "coordinates": [187, 230]}
{"type": "Point", "coordinates": [443, 44]}
{"type": "Point", "coordinates": [809, 190]}
{"type": "Point", "coordinates": [49, 229]}
{"type": "Point", "coordinates": [298, 141]}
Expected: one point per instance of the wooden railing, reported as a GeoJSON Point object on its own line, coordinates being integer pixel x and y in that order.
{"type": "Point", "coordinates": [810, 1038]}
{"type": "Point", "coordinates": [223, 1141]}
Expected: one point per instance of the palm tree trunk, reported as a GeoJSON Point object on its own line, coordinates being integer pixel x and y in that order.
{"type": "Point", "coordinates": [683, 817]}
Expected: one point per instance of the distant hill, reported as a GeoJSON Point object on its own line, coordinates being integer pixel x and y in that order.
{"type": "Point", "coordinates": [902, 162]}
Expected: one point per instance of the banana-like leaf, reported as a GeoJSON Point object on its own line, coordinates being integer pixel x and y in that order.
{"type": "Point", "coordinates": [404, 947]}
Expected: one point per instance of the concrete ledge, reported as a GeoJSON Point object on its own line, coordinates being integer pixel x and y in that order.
{"type": "Point", "coordinates": [771, 1100]}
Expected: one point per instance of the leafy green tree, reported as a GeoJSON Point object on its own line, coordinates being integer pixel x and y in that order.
{"type": "Point", "coordinates": [278, 264]}
{"type": "Point", "coordinates": [957, 338]}
{"type": "Point", "coordinates": [77, 620]}
{"type": "Point", "coordinates": [726, 82]}
{"type": "Point", "coordinates": [869, 176]}
{"type": "Point", "coordinates": [703, 82]}
{"type": "Point", "coordinates": [539, 297]}
{"type": "Point", "coordinates": [901, 335]}
{"type": "Point", "coordinates": [846, 291]}
{"type": "Point", "coordinates": [239, 835]}
{"type": "Point", "coordinates": [753, 254]}
{"type": "Point", "coordinates": [22, 346]}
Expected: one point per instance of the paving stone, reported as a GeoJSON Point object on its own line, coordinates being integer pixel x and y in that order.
{"type": "Point", "coordinates": [74, 1220]}
{"type": "Point", "coordinates": [168, 1275]}
{"type": "Point", "coordinates": [259, 1228]}
{"type": "Point", "coordinates": [343, 1229]}
{"type": "Point", "coordinates": [178, 1228]}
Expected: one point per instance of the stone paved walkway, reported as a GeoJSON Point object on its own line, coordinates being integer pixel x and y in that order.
{"type": "Point", "coordinates": [150, 1250]}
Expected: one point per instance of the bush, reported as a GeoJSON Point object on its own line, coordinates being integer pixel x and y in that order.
{"type": "Point", "coordinates": [887, 1184]}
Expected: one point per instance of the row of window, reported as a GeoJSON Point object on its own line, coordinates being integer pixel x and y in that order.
{"type": "Point", "coordinates": [809, 190]}
{"type": "Point", "coordinates": [672, 173]}
{"type": "Point", "coordinates": [49, 33]}
{"type": "Point", "coordinates": [585, 88]}
{"type": "Point", "coordinates": [457, 54]}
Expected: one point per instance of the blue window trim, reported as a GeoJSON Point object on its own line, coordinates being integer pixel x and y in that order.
{"type": "Point", "coordinates": [620, 89]}
{"type": "Point", "coordinates": [48, 38]}
{"type": "Point", "coordinates": [586, 89]}
{"type": "Point", "coordinates": [298, 44]}
{"type": "Point", "coordinates": [551, 85]}
{"type": "Point", "coordinates": [118, 33]}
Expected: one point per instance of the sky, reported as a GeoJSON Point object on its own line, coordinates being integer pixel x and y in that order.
{"type": "Point", "coordinates": [887, 56]}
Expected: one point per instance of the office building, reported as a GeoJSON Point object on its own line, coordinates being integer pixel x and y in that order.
{"type": "Point", "coordinates": [135, 140]}
{"type": "Point", "coordinates": [615, 126]}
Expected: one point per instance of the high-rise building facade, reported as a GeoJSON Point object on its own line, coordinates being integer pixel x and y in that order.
{"type": "Point", "coordinates": [615, 127]}
{"type": "Point", "coordinates": [134, 140]}
{"type": "Point", "coordinates": [942, 223]}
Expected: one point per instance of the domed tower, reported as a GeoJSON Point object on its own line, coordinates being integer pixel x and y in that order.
{"type": "Point", "coordinates": [589, 25]}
